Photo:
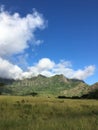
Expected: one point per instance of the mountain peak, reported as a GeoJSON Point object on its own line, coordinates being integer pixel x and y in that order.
{"type": "Point", "coordinates": [60, 77]}
{"type": "Point", "coordinates": [41, 76]}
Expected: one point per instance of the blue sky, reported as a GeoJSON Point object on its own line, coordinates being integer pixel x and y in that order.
{"type": "Point", "coordinates": [66, 39]}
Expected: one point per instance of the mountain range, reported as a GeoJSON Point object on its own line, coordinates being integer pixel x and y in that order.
{"type": "Point", "coordinates": [57, 85]}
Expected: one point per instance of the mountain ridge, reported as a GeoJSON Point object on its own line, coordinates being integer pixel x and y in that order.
{"type": "Point", "coordinates": [55, 85]}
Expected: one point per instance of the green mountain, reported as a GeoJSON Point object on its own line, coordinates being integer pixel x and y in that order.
{"type": "Point", "coordinates": [92, 92]}
{"type": "Point", "coordinates": [55, 85]}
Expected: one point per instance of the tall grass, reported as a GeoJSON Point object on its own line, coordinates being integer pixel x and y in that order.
{"type": "Point", "coordinates": [40, 113]}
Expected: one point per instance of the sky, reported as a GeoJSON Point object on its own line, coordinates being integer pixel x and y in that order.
{"type": "Point", "coordinates": [49, 37]}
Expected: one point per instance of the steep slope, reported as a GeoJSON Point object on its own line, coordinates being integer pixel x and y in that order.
{"type": "Point", "coordinates": [78, 90]}
{"type": "Point", "coordinates": [92, 92]}
{"type": "Point", "coordinates": [94, 87]}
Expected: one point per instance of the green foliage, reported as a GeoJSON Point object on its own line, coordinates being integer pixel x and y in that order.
{"type": "Point", "coordinates": [42, 113]}
{"type": "Point", "coordinates": [4, 89]}
{"type": "Point", "coordinates": [55, 85]}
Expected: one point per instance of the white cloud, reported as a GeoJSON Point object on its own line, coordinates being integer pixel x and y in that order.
{"type": "Point", "coordinates": [83, 74]}
{"type": "Point", "coordinates": [45, 67]}
{"type": "Point", "coordinates": [49, 68]}
{"type": "Point", "coordinates": [16, 32]}
{"type": "Point", "coordinates": [45, 64]}
{"type": "Point", "coordinates": [8, 70]}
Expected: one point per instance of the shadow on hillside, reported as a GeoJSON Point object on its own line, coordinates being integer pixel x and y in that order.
{"type": "Point", "coordinates": [90, 95]}
{"type": "Point", "coordinates": [4, 90]}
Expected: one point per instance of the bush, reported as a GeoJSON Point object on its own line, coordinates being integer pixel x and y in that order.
{"type": "Point", "coordinates": [34, 93]}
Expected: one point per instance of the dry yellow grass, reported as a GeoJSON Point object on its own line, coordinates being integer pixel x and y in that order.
{"type": "Point", "coordinates": [42, 113]}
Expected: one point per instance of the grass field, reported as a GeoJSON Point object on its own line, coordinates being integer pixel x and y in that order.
{"type": "Point", "coordinates": [43, 113]}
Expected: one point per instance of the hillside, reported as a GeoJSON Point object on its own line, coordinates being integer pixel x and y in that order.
{"type": "Point", "coordinates": [92, 92]}
{"type": "Point", "coordinates": [56, 85]}
{"type": "Point", "coordinates": [94, 86]}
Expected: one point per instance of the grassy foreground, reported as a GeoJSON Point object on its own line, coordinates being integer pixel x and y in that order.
{"type": "Point", "coordinates": [40, 113]}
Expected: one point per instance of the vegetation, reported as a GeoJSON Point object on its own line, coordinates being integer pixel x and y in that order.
{"type": "Point", "coordinates": [43, 113]}
{"type": "Point", "coordinates": [56, 85]}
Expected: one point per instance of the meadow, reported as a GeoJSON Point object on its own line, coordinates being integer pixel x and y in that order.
{"type": "Point", "coordinates": [47, 113]}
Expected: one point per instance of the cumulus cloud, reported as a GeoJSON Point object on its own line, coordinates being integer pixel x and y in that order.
{"type": "Point", "coordinates": [46, 67]}
{"type": "Point", "coordinates": [9, 70]}
{"type": "Point", "coordinates": [16, 35]}
{"type": "Point", "coordinates": [83, 74]}
{"type": "Point", "coordinates": [45, 64]}
{"type": "Point", "coordinates": [17, 32]}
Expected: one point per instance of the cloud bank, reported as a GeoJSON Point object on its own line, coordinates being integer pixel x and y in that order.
{"type": "Point", "coordinates": [16, 35]}
{"type": "Point", "coordinates": [46, 67]}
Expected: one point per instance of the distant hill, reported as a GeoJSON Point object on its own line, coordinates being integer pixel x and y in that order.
{"type": "Point", "coordinates": [94, 87]}
{"type": "Point", "coordinates": [92, 92]}
{"type": "Point", "coordinates": [55, 85]}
